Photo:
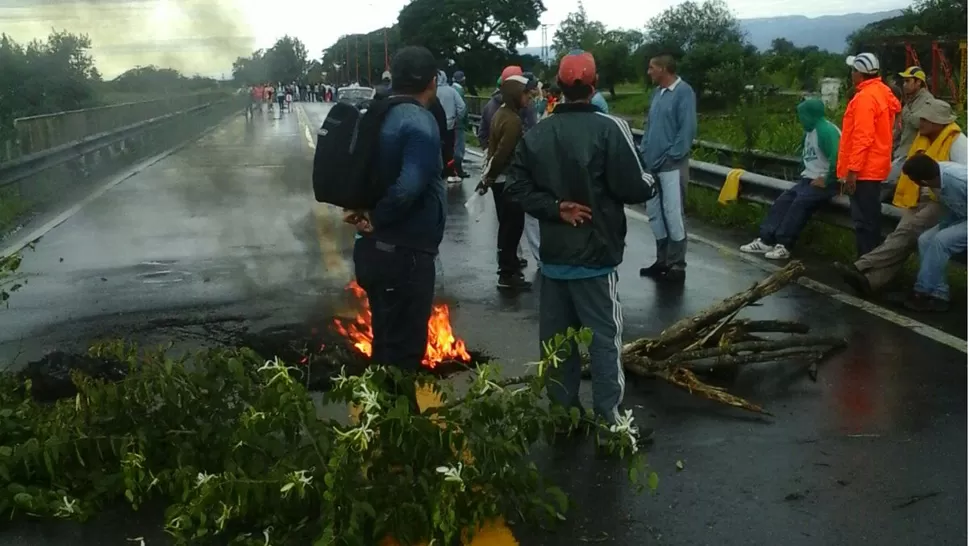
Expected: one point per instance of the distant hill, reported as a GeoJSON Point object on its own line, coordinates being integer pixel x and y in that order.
{"type": "Point", "coordinates": [827, 32]}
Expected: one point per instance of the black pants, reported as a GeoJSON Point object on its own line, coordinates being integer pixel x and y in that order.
{"type": "Point", "coordinates": [866, 211]}
{"type": "Point", "coordinates": [400, 288]}
{"type": "Point", "coordinates": [511, 222]}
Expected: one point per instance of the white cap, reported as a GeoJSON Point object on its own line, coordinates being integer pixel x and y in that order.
{"type": "Point", "coordinates": [386, 75]}
{"type": "Point", "coordinates": [864, 63]}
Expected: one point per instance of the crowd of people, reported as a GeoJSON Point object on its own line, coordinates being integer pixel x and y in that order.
{"type": "Point", "coordinates": [561, 170]}
{"type": "Point", "coordinates": [284, 94]}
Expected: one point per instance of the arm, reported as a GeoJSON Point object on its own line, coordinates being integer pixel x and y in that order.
{"type": "Point", "coordinates": [626, 179]}
{"type": "Point", "coordinates": [508, 136]}
{"type": "Point", "coordinates": [958, 149]}
{"type": "Point", "coordinates": [521, 188]}
{"type": "Point", "coordinates": [462, 107]}
{"type": "Point", "coordinates": [953, 188]}
{"type": "Point", "coordinates": [828, 141]}
{"type": "Point", "coordinates": [421, 167]}
{"type": "Point", "coordinates": [863, 133]}
{"type": "Point", "coordinates": [686, 126]}
{"type": "Point", "coordinates": [484, 126]}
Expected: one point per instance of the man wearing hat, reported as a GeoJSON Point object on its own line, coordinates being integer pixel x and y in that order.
{"type": "Point", "coordinates": [915, 94]}
{"type": "Point", "coordinates": [866, 148]}
{"type": "Point", "coordinates": [941, 139]}
{"type": "Point", "coordinates": [383, 90]}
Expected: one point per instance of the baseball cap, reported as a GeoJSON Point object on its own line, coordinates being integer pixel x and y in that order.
{"type": "Point", "coordinates": [412, 68]}
{"type": "Point", "coordinates": [936, 111]}
{"type": "Point", "coordinates": [386, 75]}
{"type": "Point", "coordinates": [914, 72]}
{"type": "Point", "coordinates": [511, 70]}
{"type": "Point", "coordinates": [863, 63]}
{"type": "Point", "coordinates": [579, 66]}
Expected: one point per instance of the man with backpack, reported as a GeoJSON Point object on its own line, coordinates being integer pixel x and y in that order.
{"type": "Point", "coordinates": [398, 237]}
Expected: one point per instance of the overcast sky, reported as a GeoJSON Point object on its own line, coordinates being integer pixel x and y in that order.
{"type": "Point", "coordinates": [205, 36]}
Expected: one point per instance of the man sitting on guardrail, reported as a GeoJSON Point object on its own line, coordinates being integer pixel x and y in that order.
{"type": "Point", "coordinates": [792, 209]}
{"type": "Point", "coordinates": [948, 180]}
{"type": "Point", "coordinates": [941, 139]}
{"type": "Point", "coordinates": [668, 136]}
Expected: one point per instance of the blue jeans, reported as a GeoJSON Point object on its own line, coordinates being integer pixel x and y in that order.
{"type": "Point", "coordinates": [791, 211]}
{"type": "Point", "coordinates": [459, 147]}
{"type": "Point", "coordinates": [935, 248]}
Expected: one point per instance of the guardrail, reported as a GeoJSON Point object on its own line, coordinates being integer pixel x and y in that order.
{"type": "Point", "coordinates": [760, 188]}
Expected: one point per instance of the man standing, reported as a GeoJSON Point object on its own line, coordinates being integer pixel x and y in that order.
{"type": "Point", "coordinates": [915, 95]}
{"type": "Point", "coordinates": [865, 154]}
{"type": "Point", "coordinates": [383, 89]}
{"type": "Point", "coordinates": [940, 138]}
{"type": "Point", "coordinates": [459, 80]}
{"type": "Point", "coordinates": [505, 134]}
{"type": "Point", "coordinates": [670, 128]}
{"type": "Point", "coordinates": [931, 291]}
{"type": "Point", "coordinates": [394, 259]}
{"type": "Point", "coordinates": [454, 107]}
{"type": "Point", "coordinates": [575, 171]}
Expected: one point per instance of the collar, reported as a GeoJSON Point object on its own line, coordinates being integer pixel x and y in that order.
{"type": "Point", "coordinates": [571, 107]}
{"type": "Point", "coordinates": [672, 86]}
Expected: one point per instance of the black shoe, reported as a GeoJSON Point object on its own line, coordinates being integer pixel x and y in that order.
{"type": "Point", "coordinates": [513, 282]}
{"type": "Point", "coordinates": [673, 275]}
{"type": "Point", "coordinates": [655, 271]}
{"type": "Point", "coordinates": [854, 278]}
{"type": "Point", "coordinates": [463, 174]}
{"type": "Point", "coordinates": [924, 303]}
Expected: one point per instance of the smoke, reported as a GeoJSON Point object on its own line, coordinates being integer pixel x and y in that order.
{"type": "Point", "coordinates": [193, 36]}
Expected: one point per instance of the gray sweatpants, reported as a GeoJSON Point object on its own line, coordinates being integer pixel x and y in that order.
{"type": "Point", "coordinates": [591, 303]}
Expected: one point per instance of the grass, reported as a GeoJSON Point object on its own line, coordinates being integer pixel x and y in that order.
{"type": "Point", "coordinates": [11, 207]}
{"type": "Point", "coordinates": [831, 242]}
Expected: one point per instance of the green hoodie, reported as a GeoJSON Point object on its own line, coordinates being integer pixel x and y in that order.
{"type": "Point", "coordinates": [820, 148]}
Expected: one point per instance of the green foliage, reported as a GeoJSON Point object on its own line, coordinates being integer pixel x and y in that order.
{"type": "Point", "coordinates": [791, 67]}
{"type": "Point", "coordinates": [233, 444]}
{"type": "Point", "coordinates": [285, 62]}
{"type": "Point", "coordinates": [930, 17]}
{"type": "Point", "coordinates": [339, 59]}
{"type": "Point", "coordinates": [613, 49]}
{"type": "Point", "coordinates": [10, 280]}
{"type": "Point", "coordinates": [147, 80]}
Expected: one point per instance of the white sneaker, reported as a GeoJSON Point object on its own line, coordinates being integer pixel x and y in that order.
{"type": "Point", "coordinates": [454, 179]}
{"type": "Point", "coordinates": [756, 247]}
{"type": "Point", "coordinates": [778, 253]}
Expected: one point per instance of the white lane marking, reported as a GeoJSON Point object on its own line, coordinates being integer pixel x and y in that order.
{"type": "Point", "coordinates": [920, 328]}
{"type": "Point", "coordinates": [39, 232]}
{"type": "Point", "coordinates": [305, 122]}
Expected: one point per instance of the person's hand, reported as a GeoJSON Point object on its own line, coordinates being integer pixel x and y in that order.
{"type": "Point", "coordinates": [482, 187]}
{"type": "Point", "coordinates": [819, 182]}
{"type": "Point", "coordinates": [360, 219]}
{"type": "Point", "coordinates": [574, 213]}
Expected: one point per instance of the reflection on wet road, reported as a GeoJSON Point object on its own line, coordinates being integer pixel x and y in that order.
{"type": "Point", "coordinates": [227, 229]}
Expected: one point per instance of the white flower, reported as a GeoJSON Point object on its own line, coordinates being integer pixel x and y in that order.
{"type": "Point", "coordinates": [282, 371]}
{"type": "Point", "coordinates": [362, 435]}
{"type": "Point", "coordinates": [452, 474]}
{"type": "Point", "coordinates": [483, 382]}
{"type": "Point", "coordinates": [68, 507]}
{"type": "Point", "coordinates": [203, 479]}
{"type": "Point", "coordinates": [341, 378]}
{"type": "Point", "coordinates": [367, 397]}
{"type": "Point", "coordinates": [624, 425]}
{"type": "Point", "coordinates": [139, 540]}
{"type": "Point", "coordinates": [266, 535]}
{"type": "Point", "coordinates": [300, 476]}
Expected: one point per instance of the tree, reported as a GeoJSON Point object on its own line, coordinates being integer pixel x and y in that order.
{"type": "Point", "coordinates": [615, 61]}
{"type": "Point", "coordinates": [577, 31]}
{"type": "Point", "coordinates": [707, 40]}
{"type": "Point", "coordinates": [251, 70]}
{"type": "Point", "coordinates": [286, 61]}
{"type": "Point", "coordinates": [476, 36]}
{"type": "Point", "coordinates": [347, 57]}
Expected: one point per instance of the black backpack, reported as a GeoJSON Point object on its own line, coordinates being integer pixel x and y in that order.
{"type": "Point", "coordinates": [343, 164]}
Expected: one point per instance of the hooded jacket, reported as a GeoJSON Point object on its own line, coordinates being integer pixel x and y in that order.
{"type": "Point", "coordinates": [821, 144]}
{"type": "Point", "coordinates": [867, 132]}
{"type": "Point", "coordinates": [528, 116]}
{"type": "Point", "coordinates": [506, 130]}
{"type": "Point", "coordinates": [451, 101]}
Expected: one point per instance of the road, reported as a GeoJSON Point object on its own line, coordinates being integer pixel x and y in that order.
{"type": "Point", "coordinates": [225, 232]}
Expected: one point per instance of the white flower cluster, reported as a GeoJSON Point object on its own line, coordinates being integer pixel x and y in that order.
{"type": "Point", "coordinates": [282, 370]}
{"type": "Point", "coordinates": [452, 474]}
{"type": "Point", "coordinates": [483, 384]}
{"type": "Point", "coordinates": [624, 425]}
{"type": "Point", "coordinates": [297, 477]}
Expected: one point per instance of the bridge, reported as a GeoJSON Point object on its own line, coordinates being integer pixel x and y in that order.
{"type": "Point", "coordinates": [222, 235]}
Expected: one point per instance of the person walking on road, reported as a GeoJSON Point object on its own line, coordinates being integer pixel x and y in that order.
{"type": "Point", "coordinates": [460, 126]}
{"type": "Point", "coordinates": [949, 180]}
{"type": "Point", "coordinates": [865, 154]}
{"type": "Point", "coordinates": [394, 258]}
{"type": "Point", "coordinates": [454, 107]}
{"type": "Point", "coordinates": [504, 136]}
{"type": "Point", "coordinates": [792, 209]}
{"type": "Point", "coordinates": [940, 138]}
{"type": "Point", "coordinates": [575, 171]}
{"type": "Point", "coordinates": [670, 128]}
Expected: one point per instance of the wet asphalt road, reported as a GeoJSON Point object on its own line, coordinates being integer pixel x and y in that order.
{"type": "Point", "coordinates": [225, 233]}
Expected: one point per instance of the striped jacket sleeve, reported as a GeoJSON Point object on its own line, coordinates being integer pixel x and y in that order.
{"type": "Point", "coordinates": [626, 178]}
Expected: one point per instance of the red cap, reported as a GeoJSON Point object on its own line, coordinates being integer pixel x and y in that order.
{"type": "Point", "coordinates": [511, 70]}
{"type": "Point", "coordinates": [578, 65]}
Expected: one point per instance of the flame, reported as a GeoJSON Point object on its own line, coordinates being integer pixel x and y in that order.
{"type": "Point", "coordinates": [442, 343]}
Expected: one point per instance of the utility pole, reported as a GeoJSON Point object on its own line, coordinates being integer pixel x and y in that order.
{"type": "Point", "coordinates": [357, 57]}
{"type": "Point", "coordinates": [545, 47]}
{"type": "Point", "coordinates": [370, 74]}
{"type": "Point", "coordinates": [387, 63]}
{"type": "Point", "coordinates": [347, 64]}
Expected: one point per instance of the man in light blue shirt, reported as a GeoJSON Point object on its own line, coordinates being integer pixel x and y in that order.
{"type": "Point", "coordinates": [668, 136]}
{"type": "Point", "coordinates": [599, 101]}
{"type": "Point", "coordinates": [948, 180]}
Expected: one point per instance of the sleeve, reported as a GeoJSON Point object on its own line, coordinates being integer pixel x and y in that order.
{"type": "Point", "coordinates": [522, 189]}
{"type": "Point", "coordinates": [686, 126]}
{"type": "Point", "coordinates": [626, 178]}
{"type": "Point", "coordinates": [462, 107]}
{"type": "Point", "coordinates": [508, 136]}
{"type": "Point", "coordinates": [420, 167]}
{"type": "Point", "coordinates": [863, 133]}
{"type": "Point", "coordinates": [828, 141]}
{"type": "Point", "coordinates": [484, 125]}
{"type": "Point", "coordinates": [958, 149]}
{"type": "Point", "coordinates": [953, 188]}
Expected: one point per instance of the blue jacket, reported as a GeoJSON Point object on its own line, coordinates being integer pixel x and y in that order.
{"type": "Point", "coordinates": [412, 212]}
{"type": "Point", "coordinates": [670, 127]}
